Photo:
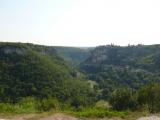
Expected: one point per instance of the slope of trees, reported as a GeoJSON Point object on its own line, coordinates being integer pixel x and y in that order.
{"type": "Point", "coordinates": [28, 70]}
{"type": "Point", "coordinates": [114, 66]}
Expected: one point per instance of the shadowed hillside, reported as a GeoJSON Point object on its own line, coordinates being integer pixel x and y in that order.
{"type": "Point", "coordinates": [28, 70]}
{"type": "Point", "coordinates": [73, 55]}
{"type": "Point", "coordinates": [114, 66]}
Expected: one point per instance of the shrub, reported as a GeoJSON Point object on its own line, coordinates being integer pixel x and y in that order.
{"type": "Point", "coordinates": [102, 104]}
{"type": "Point", "coordinates": [150, 95]}
{"type": "Point", "coordinates": [123, 99]}
{"type": "Point", "coordinates": [48, 104]}
{"type": "Point", "coordinates": [26, 105]}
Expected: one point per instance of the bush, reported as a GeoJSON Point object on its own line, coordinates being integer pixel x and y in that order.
{"type": "Point", "coordinates": [26, 105]}
{"type": "Point", "coordinates": [48, 104]}
{"type": "Point", "coordinates": [30, 105]}
{"type": "Point", "coordinates": [123, 99]}
{"type": "Point", "coordinates": [102, 104]}
{"type": "Point", "coordinates": [150, 95]}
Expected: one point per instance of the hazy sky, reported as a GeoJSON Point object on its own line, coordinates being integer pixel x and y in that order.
{"type": "Point", "coordinates": [80, 22]}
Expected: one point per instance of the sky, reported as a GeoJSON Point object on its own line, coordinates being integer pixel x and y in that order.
{"type": "Point", "coordinates": [80, 22]}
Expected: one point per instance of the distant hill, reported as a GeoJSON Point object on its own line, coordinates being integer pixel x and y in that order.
{"type": "Point", "coordinates": [74, 55]}
{"type": "Point", "coordinates": [114, 66]}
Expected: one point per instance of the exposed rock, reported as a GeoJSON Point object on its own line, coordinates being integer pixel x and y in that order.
{"type": "Point", "coordinates": [11, 50]}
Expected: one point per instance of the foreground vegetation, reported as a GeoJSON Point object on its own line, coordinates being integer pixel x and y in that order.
{"type": "Point", "coordinates": [52, 105]}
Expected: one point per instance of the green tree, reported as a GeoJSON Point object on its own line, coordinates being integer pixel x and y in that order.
{"type": "Point", "coordinates": [122, 99]}
{"type": "Point", "coordinates": [150, 95]}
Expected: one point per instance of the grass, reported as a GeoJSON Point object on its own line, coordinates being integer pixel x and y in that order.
{"type": "Point", "coordinates": [26, 105]}
{"type": "Point", "coordinates": [29, 108]}
{"type": "Point", "coordinates": [16, 109]}
{"type": "Point", "coordinates": [9, 110]}
{"type": "Point", "coordinates": [97, 113]}
{"type": "Point", "coordinates": [48, 107]}
{"type": "Point", "coordinates": [30, 105]}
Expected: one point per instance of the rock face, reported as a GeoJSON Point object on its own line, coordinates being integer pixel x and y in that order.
{"type": "Point", "coordinates": [11, 50]}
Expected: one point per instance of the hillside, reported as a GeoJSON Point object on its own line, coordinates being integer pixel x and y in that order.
{"type": "Point", "coordinates": [28, 70]}
{"type": "Point", "coordinates": [36, 78]}
{"type": "Point", "coordinates": [73, 55]}
{"type": "Point", "coordinates": [114, 66]}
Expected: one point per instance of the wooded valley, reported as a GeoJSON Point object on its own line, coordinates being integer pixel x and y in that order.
{"type": "Point", "coordinates": [102, 81]}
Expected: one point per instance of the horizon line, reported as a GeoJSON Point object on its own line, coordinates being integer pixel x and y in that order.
{"type": "Point", "coordinates": [80, 46]}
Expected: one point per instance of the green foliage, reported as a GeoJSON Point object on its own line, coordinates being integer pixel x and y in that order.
{"type": "Point", "coordinates": [150, 95]}
{"type": "Point", "coordinates": [30, 105]}
{"type": "Point", "coordinates": [102, 104]}
{"type": "Point", "coordinates": [29, 70]}
{"type": "Point", "coordinates": [122, 99]}
{"type": "Point", "coordinates": [26, 105]}
{"type": "Point", "coordinates": [48, 104]}
{"type": "Point", "coordinates": [99, 113]}
{"type": "Point", "coordinates": [115, 67]}
{"type": "Point", "coordinates": [25, 72]}
{"type": "Point", "coordinates": [77, 93]}
{"type": "Point", "coordinates": [35, 78]}
{"type": "Point", "coordinates": [147, 98]}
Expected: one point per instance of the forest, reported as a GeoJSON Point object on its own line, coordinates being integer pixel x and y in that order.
{"type": "Point", "coordinates": [103, 81]}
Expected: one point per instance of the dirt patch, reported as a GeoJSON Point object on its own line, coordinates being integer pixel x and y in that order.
{"type": "Point", "coordinates": [149, 118]}
{"type": "Point", "coordinates": [19, 117]}
{"type": "Point", "coordinates": [67, 117]}
{"type": "Point", "coordinates": [41, 117]}
{"type": "Point", "coordinates": [59, 117]}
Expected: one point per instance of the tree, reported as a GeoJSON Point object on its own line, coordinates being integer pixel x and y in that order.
{"type": "Point", "coordinates": [122, 99]}
{"type": "Point", "coordinates": [150, 95]}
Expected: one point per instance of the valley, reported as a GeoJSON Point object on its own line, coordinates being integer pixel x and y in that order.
{"type": "Point", "coordinates": [106, 82]}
